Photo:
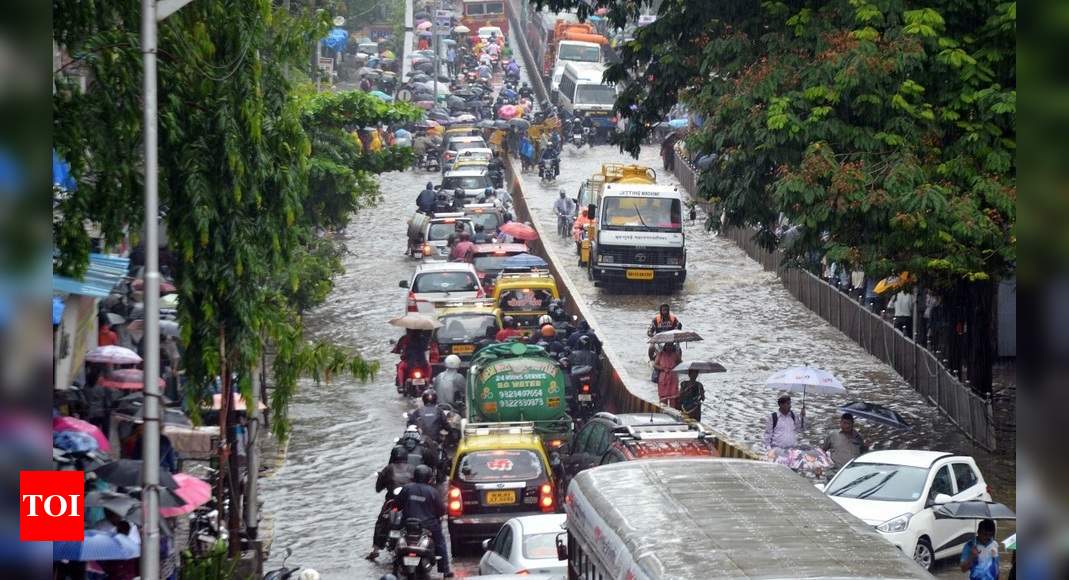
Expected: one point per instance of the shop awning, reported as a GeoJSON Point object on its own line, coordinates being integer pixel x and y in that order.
{"type": "Point", "coordinates": [100, 278]}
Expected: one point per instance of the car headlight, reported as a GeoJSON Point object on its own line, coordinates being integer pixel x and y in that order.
{"type": "Point", "coordinates": [897, 524]}
{"type": "Point", "coordinates": [674, 261]}
{"type": "Point", "coordinates": [605, 259]}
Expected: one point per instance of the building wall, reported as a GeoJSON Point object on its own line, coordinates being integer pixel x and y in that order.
{"type": "Point", "coordinates": [76, 335]}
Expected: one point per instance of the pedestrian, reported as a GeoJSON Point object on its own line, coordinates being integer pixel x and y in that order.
{"type": "Point", "coordinates": [691, 395]}
{"type": "Point", "coordinates": [979, 557]}
{"type": "Point", "coordinates": [667, 381]}
{"type": "Point", "coordinates": [782, 426]}
{"type": "Point", "coordinates": [903, 310]}
{"type": "Point", "coordinates": [106, 336]}
{"type": "Point", "coordinates": [844, 444]}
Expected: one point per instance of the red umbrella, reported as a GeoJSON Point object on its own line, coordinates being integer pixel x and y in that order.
{"type": "Point", "coordinates": [519, 231]}
{"type": "Point", "coordinates": [114, 354]}
{"type": "Point", "coordinates": [125, 380]}
{"type": "Point", "coordinates": [73, 424]}
{"type": "Point", "coordinates": [196, 492]}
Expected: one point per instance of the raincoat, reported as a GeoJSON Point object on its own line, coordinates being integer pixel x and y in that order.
{"type": "Point", "coordinates": [579, 228]}
{"type": "Point", "coordinates": [668, 382]}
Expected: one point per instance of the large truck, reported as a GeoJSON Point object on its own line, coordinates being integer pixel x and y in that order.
{"type": "Point", "coordinates": [576, 42]}
{"type": "Point", "coordinates": [512, 382]}
{"type": "Point", "coordinates": [590, 194]}
{"type": "Point", "coordinates": [639, 236]}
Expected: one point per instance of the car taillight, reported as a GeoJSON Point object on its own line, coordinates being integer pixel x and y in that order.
{"type": "Point", "coordinates": [545, 498]}
{"type": "Point", "coordinates": [586, 388]}
{"type": "Point", "coordinates": [456, 506]}
{"type": "Point", "coordinates": [412, 302]}
{"type": "Point", "coordinates": [427, 249]}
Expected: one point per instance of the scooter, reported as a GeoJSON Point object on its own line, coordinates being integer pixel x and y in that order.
{"type": "Point", "coordinates": [580, 136]}
{"type": "Point", "coordinates": [430, 161]}
{"type": "Point", "coordinates": [285, 573]}
{"type": "Point", "coordinates": [583, 382]}
{"type": "Point", "coordinates": [548, 172]}
{"type": "Point", "coordinates": [414, 555]}
{"type": "Point", "coordinates": [416, 377]}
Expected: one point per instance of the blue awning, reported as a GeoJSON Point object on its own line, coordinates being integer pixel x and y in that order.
{"type": "Point", "coordinates": [103, 274]}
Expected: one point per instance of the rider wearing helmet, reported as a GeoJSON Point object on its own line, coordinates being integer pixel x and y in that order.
{"type": "Point", "coordinates": [429, 418]}
{"type": "Point", "coordinates": [509, 331]}
{"type": "Point", "coordinates": [449, 384]}
{"type": "Point", "coordinates": [419, 449]}
{"type": "Point", "coordinates": [421, 501]}
{"type": "Point", "coordinates": [396, 474]}
{"type": "Point", "coordinates": [425, 199]}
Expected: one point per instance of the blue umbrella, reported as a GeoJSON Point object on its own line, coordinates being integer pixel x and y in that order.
{"type": "Point", "coordinates": [61, 173]}
{"type": "Point", "coordinates": [97, 546]}
{"type": "Point", "coordinates": [381, 95]}
{"type": "Point", "coordinates": [525, 261]}
{"type": "Point", "coordinates": [336, 39]}
{"type": "Point", "coordinates": [74, 441]}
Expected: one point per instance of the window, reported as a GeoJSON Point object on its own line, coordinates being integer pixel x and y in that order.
{"type": "Point", "coordinates": [490, 264]}
{"type": "Point", "coordinates": [503, 541]}
{"type": "Point", "coordinates": [964, 476]}
{"type": "Point", "coordinates": [500, 465]}
{"type": "Point", "coordinates": [582, 440]}
{"type": "Point", "coordinates": [463, 327]}
{"type": "Point", "coordinates": [488, 220]}
{"type": "Point", "coordinates": [879, 482]}
{"type": "Point", "coordinates": [525, 300]}
{"type": "Point", "coordinates": [445, 282]}
{"type": "Point", "coordinates": [567, 88]}
{"type": "Point", "coordinates": [942, 483]}
{"type": "Point", "coordinates": [595, 95]}
{"type": "Point", "coordinates": [442, 230]}
{"type": "Point", "coordinates": [495, 8]}
{"type": "Point", "coordinates": [474, 9]}
{"type": "Point", "coordinates": [599, 440]}
{"type": "Point", "coordinates": [466, 182]}
{"type": "Point", "coordinates": [580, 53]}
{"type": "Point", "coordinates": [540, 547]}
{"type": "Point", "coordinates": [645, 213]}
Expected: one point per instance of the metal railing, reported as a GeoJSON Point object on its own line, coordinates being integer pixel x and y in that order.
{"type": "Point", "coordinates": [967, 410]}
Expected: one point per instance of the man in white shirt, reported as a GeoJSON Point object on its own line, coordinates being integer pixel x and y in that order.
{"type": "Point", "coordinates": [782, 426]}
{"type": "Point", "coordinates": [903, 310]}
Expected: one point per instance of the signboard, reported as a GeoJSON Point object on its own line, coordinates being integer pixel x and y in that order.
{"type": "Point", "coordinates": [326, 64]}
{"type": "Point", "coordinates": [404, 95]}
{"type": "Point", "coordinates": [443, 17]}
{"type": "Point", "coordinates": [515, 388]}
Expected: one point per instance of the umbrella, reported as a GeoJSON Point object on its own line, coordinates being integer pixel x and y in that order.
{"type": "Point", "coordinates": [485, 124]}
{"type": "Point", "coordinates": [520, 124]}
{"type": "Point", "coordinates": [127, 473]}
{"type": "Point", "coordinates": [524, 261]}
{"type": "Point", "coordinates": [416, 322]}
{"type": "Point", "coordinates": [519, 231]}
{"type": "Point", "coordinates": [506, 112]}
{"type": "Point", "coordinates": [461, 29]}
{"type": "Point", "coordinates": [119, 503]}
{"type": "Point", "coordinates": [892, 283]}
{"type": "Point", "coordinates": [465, 118]}
{"type": "Point", "coordinates": [425, 25]}
{"type": "Point", "coordinates": [805, 379]}
{"type": "Point", "coordinates": [72, 424]}
{"type": "Point", "coordinates": [877, 413]}
{"type": "Point", "coordinates": [808, 459]}
{"type": "Point", "coordinates": [117, 355]}
{"type": "Point", "coordinates": [126, 380]}
{"type": "Point", "coordinates": [501, 124]}
{"type": "Point", "coordinates": [98, 546]}
{"type": "Point", "coordinates": [675, 336]}
{"type": "Point", "coordinates": [169, 301]}
{"type": "Point", "coordinates": [167, 327]}
{"type": "Point", "coordinates": [74, 441]}
{"type": "Point", "coordinates": [195, 492]}
{"type": "Point", "coordinates": [169, 415]}
{"type": "Point", "coordinates": [238, 403]}
{"type": "Point", "coordinates": [974, 510]}
{"type": "Point", "coordinates": [381, 95]}
{"type": "Point", "coordinates": [1010, 543]}
{"type": "Point", "coordinates": [700, 366]}
{"type": "Point", "coordinates": [115, 319]}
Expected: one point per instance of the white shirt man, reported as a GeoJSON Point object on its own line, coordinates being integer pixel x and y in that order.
{"type": "Point", "coordinates": [782, 426]}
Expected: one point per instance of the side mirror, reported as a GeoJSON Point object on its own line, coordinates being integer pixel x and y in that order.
{"type": "Point", "coordinates": [402, 284]}
{"type": "Point", "coordinates": [819, 486]}
{"type": "Point", "coordinates": [941, 498]}
{"type": "Point", "coordinates": [562, 546]}
{"type": "Point", "coordinates": [486, 545]}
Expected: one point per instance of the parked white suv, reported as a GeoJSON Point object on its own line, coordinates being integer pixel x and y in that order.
{"type": "Point", "coordinates": [896, 492]}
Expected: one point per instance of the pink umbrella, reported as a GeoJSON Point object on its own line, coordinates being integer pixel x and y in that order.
{"type": "Point", "coordinates": [519, 231]}
{"type": "Point", "coordinates": [506, 112]}
{"type": "Point", "coordinates": [72, 424]}
{"type": "Point", "coordinates": [238, 404]}
{"type": "Point", "coordinates": [425, 25]}
{"type": "Point", "coordinates": [196, 492]}
{"type": "Point", "coordinates": [126, 380]}
{"type": "Point", "coordinates": [116, 355]}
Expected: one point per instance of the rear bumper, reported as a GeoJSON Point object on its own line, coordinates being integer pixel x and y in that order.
{"type": "Point", "coordinates": [618, 272]}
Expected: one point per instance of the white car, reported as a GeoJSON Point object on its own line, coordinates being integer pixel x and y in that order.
{"type": "Point", "coordinates": [896, 492]}
{"type": "Point", "coordinates": [526, 545]}
{"type": "Point", "coordinates": [437, 283]}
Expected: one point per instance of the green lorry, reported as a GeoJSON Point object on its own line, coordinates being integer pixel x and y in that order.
{"type": "Point", "coordinates": [511, 382]}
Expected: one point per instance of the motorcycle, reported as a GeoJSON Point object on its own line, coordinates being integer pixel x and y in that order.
{"type": "Point", "coordinates": [430, 160]}
{"type": "Point", "coordinates": [497, 177]}
{"type": "Point", "coordinates": [548, 172]}
{"type": "Point", "coordinates": [285, 573]}
{"type": "Point", "coordinates": [415, 380]}
{"type": "Point", "coordinates": [391, 521]}
{"type": "Point", "coordinates": [414, 555]}
{"type": "Point", "coordinates": [585, 393]}
{"type": "Point", "coordinates": [580, 136]}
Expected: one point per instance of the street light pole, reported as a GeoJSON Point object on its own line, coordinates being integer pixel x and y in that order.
{"type": "Point", "coordinates": [151, 13]}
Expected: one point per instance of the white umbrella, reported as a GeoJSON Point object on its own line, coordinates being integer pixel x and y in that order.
{"type": "Point", "coordinates": [117, 355]}
{"type": "Point", "coordinates": [416, 322]}
{"type": "Point", "coordinates": [461, 29]}
{"type": "Point", "coordinates": [805, 379]}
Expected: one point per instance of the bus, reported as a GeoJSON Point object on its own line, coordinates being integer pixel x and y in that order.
{"type": "Point", "coordinates": [710, 518]}
{"type": "Point", "coordinates": [479, 13]}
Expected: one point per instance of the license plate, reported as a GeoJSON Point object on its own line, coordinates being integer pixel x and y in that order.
{"type": "Point", "coordinates": [395, 533]}
{"type": "Point", "coordinates": [411, 560]}
{"type": "Point", "coordinates": [500, 497]}
{"type": "Point", "coordinates": [463, 348]}
{"type": "Point", "coordinates": [639, 274]}
{"type": "Point", "coordinates": [419, 381]}
{"type": "Point", "coordinates": [586, 397]}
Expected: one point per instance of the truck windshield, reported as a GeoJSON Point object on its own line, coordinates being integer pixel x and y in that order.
{"type": "Point", "coordinates": [500, 465]}
{"type": "Point", "coordinates": [579, 53]}
{"type": "Point", "coordinates": [595, 95]}
{"type": "Point", "coordinates": [461, 327]}
{"type": "Point", "coordinates": [644, 213]}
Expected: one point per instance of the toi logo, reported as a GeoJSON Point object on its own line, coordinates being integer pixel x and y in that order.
{"type": "Point", "coordinates": [51, 506]}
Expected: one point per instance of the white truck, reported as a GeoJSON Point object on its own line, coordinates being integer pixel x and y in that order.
{"type": "Point", "coordinates": [574, 51]}
{"type": "Point", "coordinates": [639, 236]}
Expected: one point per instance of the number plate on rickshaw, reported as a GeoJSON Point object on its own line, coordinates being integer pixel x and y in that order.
{"type": "Point", "coordinates": [411, 560]}
{"type": "Point", "coordinates": [463, 348]}
{"type": "Point", "coordinates": [587, 397]}
{"type": "Point", "coordinates": [500, 497]}
{"type": "Point", "coordinates": [419, 381]}
{"type": "Point", "coordinates": [639, 274]}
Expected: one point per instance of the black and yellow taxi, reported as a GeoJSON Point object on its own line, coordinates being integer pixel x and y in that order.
{"type": "Point", "coordinates": [500, 471]}
{"type": "Point", "coordinates": [464, 323]}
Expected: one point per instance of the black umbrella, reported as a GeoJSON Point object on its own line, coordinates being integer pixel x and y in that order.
{"type": "Point", "coordinates": [700, 366]}
{"type": "Point", "coordinates": [127, 473]}
{"type": "Point", "coordinates": [170, 415]}
{"type": "Point", "coordinates": [877, 413]}
{"type": "Point", "coordinates": [113, 501]}
{"type": "Point", "coordinates": [974, 510]}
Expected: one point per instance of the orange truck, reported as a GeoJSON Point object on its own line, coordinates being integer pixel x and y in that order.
{"type": "Point", "coordinates": [570, 42]}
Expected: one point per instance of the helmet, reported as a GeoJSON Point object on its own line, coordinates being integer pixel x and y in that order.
{"type": "Point", "coordinates": [584, 341]}
{"type": "Point", "coordinates": [548, 331]}
{"type": "Point", "coordinates": [509, 322]}
{"type": "Point", "coordinates": [430, 397]}
{"type": "Point", "coordinates": [488, 191]}
{"type": "Point", "coordinates": [452, 362]}
{"type": "Point", "coordinates": [398, 454]}
{"type": "Point", "coordinates": [422, 474]}
{"type": "Point", "coordinates": [545, 319]}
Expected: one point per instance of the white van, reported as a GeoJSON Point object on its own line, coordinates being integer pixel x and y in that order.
{"type": "Point", "coordinates": [581, 90]}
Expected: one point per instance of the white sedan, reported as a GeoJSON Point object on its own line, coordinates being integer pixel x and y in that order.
{"type": "Point", "coordinates": [526, 545]}
{"type": "Point", "coordinates": [897, 491]}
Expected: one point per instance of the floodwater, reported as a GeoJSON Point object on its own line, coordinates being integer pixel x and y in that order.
{"type": "Point", "coordinates": [322, 500]}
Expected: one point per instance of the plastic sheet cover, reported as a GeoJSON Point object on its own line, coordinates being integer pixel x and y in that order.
{"type": "Point", "coordinates": [721, 518]}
